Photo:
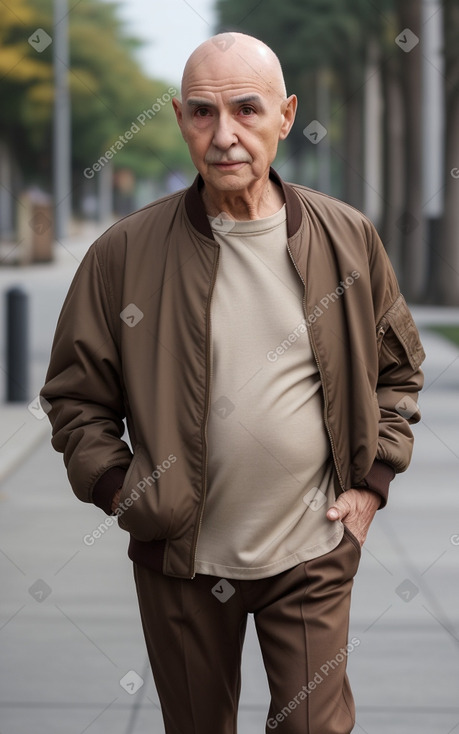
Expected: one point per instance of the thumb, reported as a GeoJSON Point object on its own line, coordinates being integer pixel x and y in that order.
{"type": "Point", "coordinates": [338, 510]}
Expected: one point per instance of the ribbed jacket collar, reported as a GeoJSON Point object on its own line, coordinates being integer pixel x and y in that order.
{"type": "Point", "coordinates": [198, 215]}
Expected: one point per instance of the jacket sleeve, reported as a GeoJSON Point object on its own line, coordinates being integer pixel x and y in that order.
{"type": "Point", "coordinates": [399, 381]}
{"type": "Point", "coordinates": [399, 376]}
{"type": "Point", "coordinates": [83, 393]}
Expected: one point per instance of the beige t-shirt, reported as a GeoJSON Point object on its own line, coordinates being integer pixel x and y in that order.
{"type": "Point", "coordinates": [270, 471]}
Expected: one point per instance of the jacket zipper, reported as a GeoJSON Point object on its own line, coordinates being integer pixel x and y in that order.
{"type": "Point", "coordinates": [319, 367]}
{"type": "Point", "coordinates": [380, 335]}
{"type": "Point", "coordinates": [206, 410]}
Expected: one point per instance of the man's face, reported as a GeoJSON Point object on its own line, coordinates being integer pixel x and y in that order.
{"type": "Point", "coordinates": [232, 121]}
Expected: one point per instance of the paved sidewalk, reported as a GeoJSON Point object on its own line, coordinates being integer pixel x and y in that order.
{"type": "Point", "coordinates": [69, 624]}
{"type": "Point", "coordinates": [46, 286]}
{"type": "Point", "coordinates": [70, 631]}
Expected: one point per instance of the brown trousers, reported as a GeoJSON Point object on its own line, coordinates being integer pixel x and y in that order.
{"type": "Point", "coordinates": [194, 630]}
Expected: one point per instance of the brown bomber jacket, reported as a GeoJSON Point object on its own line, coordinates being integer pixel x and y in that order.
{"type": "Point", "coordinates": [157, 268]}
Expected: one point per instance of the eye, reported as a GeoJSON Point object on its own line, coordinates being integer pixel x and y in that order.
{"type": "Point", "coordinates": [202, 112]}
{"type": "Point", "coordinates": [246, 111]}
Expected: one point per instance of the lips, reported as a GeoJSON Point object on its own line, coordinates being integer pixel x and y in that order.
{"type": "Point", "coordinates": [230, 165]}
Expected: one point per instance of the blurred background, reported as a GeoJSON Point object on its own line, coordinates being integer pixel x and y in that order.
{"type": "Point", "coordinates": [380, 78]}
{"type": "Point", "coordinates": [87, 135]}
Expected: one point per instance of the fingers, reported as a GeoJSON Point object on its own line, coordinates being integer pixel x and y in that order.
{"type": "Point", "coordinates": [333, 513]}
{"type": "Point", "coordinates": [338, 510]}
{"type": "Point", "coordinates": [116, 500]}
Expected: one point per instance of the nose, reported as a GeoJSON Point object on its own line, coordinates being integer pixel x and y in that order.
{"type": "Point", "coordinates": [224, 135]}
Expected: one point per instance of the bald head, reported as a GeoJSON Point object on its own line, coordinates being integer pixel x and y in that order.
{"type": "Point", "coordinates": [233, 113]}
{"type": "Point", "coordinates": [234, 55]}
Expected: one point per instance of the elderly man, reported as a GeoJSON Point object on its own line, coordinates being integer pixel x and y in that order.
{"type": "Point", "coordinates": [253, 335]}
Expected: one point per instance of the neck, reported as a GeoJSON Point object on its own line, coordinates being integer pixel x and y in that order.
{"type": "Point", "coordinates": [265, 199]}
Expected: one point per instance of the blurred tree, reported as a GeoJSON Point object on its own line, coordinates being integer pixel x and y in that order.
{"type": "Point", "coordinates": [393, 140]}
{"type": "Point", "coordinates": [23, 75]}
{"type": "Point", "coordinates": [414, 251]}
{"type": "Point", "coordinates": [20, 71]}
{"type": "Point", "coordinates": [447, 250]}
{"type": "Point", "coordinates": [108, 93]}
{"type": "Point", "coordinates": [334, 35]}
{"type": "Point", "coordinates": [344, 37]}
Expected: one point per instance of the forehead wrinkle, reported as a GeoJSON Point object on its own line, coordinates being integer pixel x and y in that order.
{"type": "Point", "coordinates": [270, 81]}
{"type": "Point", "coordinates": [249, 52]}
{"type": "Point", "coordinates": [237, 100]}
{"type": "Point", "coordinates": [239, 88]}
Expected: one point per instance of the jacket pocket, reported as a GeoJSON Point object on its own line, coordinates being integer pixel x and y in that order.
{"type": "Point", "coordinates": [352, 539]}
{"type": "Point", "coordinates": [136, 453]}
{"type": "Point", "coordinates": [398, 336]}
{"type": "Point", "coordinates": [138, 511]}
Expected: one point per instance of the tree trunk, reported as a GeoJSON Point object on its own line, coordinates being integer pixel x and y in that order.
{"type": "Point", "coordinates": [353, 153]}
{"type": "Point", "coordinates": [301, 152]}
{"type": "Point", "coordinates": [295, 167]}
{"type": "Point", "coordinates": [6, 192]}
{"type": "Point", "coordinates": [393, 168]}
{"type": "Point", "coordinates": [323, 148]}
{"type": "Point", "coordinates": [447, 251]}
{"type": "Point", "coordinates": [412, 225]}
{"type": "Point", "coordinates": [372, 188]}
{"type": "Point", "coordinates": [105, 193]}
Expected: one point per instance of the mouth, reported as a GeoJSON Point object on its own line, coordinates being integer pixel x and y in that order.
{"type": "Point", "coordinates": [229, 166]}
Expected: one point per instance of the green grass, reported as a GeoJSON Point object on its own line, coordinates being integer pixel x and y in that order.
{"type": "Point", "coordinates": [449, 331]}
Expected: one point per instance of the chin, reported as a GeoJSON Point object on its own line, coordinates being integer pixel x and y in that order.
{"type": "Point", "coordinates": [228, 181]}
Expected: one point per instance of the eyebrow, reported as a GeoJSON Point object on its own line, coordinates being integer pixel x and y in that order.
{"type": "Point", "coordinates": [245, 99]}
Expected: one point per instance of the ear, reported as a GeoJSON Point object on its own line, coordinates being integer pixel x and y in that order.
{"type": "Point", "coordinates": [177, 105]}
{"type": "Point", "coordinates": [289, 107]}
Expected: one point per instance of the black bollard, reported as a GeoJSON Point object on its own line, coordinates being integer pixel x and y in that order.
{"type": "Point", "coordinates": [17, 345]}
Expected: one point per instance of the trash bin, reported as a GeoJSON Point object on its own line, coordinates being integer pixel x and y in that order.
{"type": "Point", "coordinates": [35, 227]}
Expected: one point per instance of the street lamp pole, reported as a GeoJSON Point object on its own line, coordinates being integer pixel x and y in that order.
{"type": "Point", "coordinates": [61, 137]}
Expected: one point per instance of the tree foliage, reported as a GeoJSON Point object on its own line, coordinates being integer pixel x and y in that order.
{"type": "Point", "coordinates": [108, 92]}
{"type": "Point", "coordinates": [310, 37]}
{"type": "Point", "coordinates": [344, 48]}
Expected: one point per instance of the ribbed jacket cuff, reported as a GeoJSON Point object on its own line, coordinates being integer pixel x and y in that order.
{"type": "Point", "coordinates": [149, 554]}
{"type": "Point", "coordinates": [378, 480]}
{"type": "Point", "coordinates": [106, 487]}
